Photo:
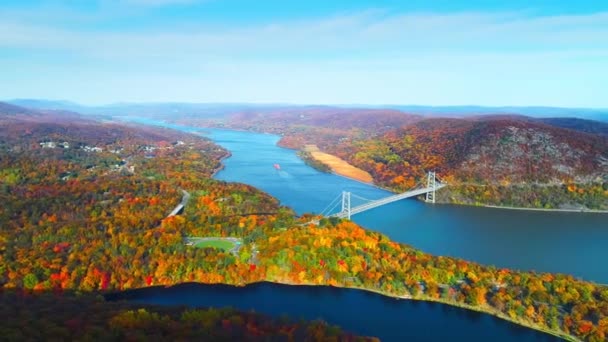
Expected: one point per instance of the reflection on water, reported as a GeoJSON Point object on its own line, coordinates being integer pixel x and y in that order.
{"type": "Point", "coordinates": [354, 310]}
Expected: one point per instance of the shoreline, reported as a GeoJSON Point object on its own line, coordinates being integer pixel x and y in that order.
{"type": "Point", "coordinates": [373, 184]}
{"type": "Point", "coordinates": [464, 306]}
{"type": "Point", "coordinates": [338, 165]}
{"type": "Point", "coordinates": [580, 211]}
{"type": "Point", "coordinates": [483, 310]}
{"type": "Point", "coordinates": [576, 211]}
{"type": "Point", "coordinates": [222, 166]}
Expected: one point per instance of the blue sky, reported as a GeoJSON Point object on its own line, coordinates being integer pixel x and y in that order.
{"type": "Point", "coordinates": [433, 52]}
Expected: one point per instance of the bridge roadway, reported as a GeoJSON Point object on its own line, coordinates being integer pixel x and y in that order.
{"type": "Point", "coordinates": [386, 200]}
{"type": "Point", "coordinates": [182, 204]}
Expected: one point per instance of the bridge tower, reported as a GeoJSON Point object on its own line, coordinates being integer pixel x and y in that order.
{"type": "Point", "coordinates": [346, 203]}
{"type": "Point", "coordinates": [431, 184]}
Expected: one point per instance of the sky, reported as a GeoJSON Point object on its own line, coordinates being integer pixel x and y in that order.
{"type": "Point", "coordinates": [431, 52]}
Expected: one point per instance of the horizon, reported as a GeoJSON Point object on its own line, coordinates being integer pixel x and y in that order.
{"type": "Point", "coordinates": [15, 101]}
{"type": "Point", "coordinates": [440, 53]}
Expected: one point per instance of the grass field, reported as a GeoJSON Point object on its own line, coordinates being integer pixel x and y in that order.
{"type": "Point", "coordinates": [219, 244]}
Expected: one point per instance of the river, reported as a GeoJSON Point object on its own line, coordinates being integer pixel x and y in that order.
{"type": "Point", "coordinates": [558, 242]}
{"type": "Point", "coordinates": [544, 241]}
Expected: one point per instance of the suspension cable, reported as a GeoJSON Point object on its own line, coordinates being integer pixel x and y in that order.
{"type": "Point", "coordinates": [323, 212]}
{"type": "Point", "coordinates": [361, 198]}
{"type": "Point", "coordinates": [332, 209]}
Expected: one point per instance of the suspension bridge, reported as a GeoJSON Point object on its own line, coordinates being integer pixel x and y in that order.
{"type": "Point", "coordinates": [347, 210]}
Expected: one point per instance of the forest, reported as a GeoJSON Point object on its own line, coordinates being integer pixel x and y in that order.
{"type": "Point", "coordinates": [499, 160]}
{"type": "Point", "coordinates": [93, 221]}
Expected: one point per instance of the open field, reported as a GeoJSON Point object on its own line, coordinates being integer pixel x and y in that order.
{"type": "Point", "coordinates": [227, 244]}
{"type": "Point", "coordinates": [220, 244]}
{"type": "Point", "coordinates": [339, 166]}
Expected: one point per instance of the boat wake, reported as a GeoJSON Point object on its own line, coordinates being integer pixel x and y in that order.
{"type": "Point", "coordinates": [283, 174]}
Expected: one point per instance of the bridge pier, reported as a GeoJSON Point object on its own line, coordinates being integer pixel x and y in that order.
{"type": "Point", "coordinates": [346, 203]}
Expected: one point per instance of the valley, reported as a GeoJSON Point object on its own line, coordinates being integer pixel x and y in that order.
{"type": "Point", "coordinates": [52, 243]}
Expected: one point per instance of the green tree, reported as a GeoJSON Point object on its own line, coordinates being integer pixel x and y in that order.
{"type": "Point", "coordinates": [30, 280]}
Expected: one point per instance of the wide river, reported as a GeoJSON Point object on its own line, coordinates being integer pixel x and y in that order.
{"type": "Point", "coordinates": [573, 243]}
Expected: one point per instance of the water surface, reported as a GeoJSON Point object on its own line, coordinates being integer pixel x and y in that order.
{"type": "Point", "coordinates": [356, 311]}
{"type": "Point", "coordinates": [571, 243]}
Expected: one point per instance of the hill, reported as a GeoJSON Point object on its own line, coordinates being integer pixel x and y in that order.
{"type": "Point", "coordinates": [321, 125]}
{"type": "Point", "coordinates": [533, 111]}
{"type": "Point", "coordinates": [86, 204]}
{"type": "Point", "coordinates": [504, 159]}
{"type": "Point", "coordinates": [192, 109]}
{"type": "Point", "coordinates": [46, 104]}
{"type": "Point", "coordinates": [377, 120]}
{"type": "Point", "coordinates": [13, 113]}
{"type": "Point", "coordinates": [7, 109]}
{"type": "Point", "coordinates": [493, 156]}
{"type": "Point", "coordinates": [575, 124]}
{"type": "Point", "coordinates": [587, 126]}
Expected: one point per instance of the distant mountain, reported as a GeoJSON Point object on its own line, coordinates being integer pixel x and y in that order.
{"type": "Point", "coordinates": [364, 119]}
{"type": "Point", "coordinates": [462, 111]}
{"type": "Point", "coordinates": [11, 112]}
{"type": "Point", "coordinates": [218, 110]}
{"type": "Point", "coordinates": [587, 126]}
{"type": "Point", "coordinates": [47, 104]}
{"type": "Point", "coordinates": [7, 109]}
{"type": "Point", "coordinates": [157, 110]}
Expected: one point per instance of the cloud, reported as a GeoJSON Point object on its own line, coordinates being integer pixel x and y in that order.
{"type": "Point", "coordinates": [161, 2]}
{"type": "Point", "coordinates": [370, 32]}
{"type": "Point", "coordinates": [370, 56]}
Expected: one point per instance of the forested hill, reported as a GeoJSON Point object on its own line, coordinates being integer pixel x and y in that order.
{"type": "Point", "coordinates": [486, 159]}
{"type": "Point", "coordinates": [588, 126]}
{"type": "Point", "coordinates": [367, 120]}
{"type": "Point", "coordinates": [7, 109]}
{"type": "Point", "coordinates": [85, 208]}
{"type": "Point", "coordinates": [13, 113]}
{"type": "Point", "coordinates": [501, 159]}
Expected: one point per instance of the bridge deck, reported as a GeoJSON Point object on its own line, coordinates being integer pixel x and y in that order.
{"type": "Point", "coordinates": [386, 200]}
{"type": "Point", "coordinates": [182, 204]}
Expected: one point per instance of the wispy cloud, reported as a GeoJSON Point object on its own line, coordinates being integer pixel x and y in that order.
{"type": "Point", "coordinates": [160, 2]}
{"type": "Point", "coordinates": [369, 56]}
{"type": "Point", "coordinates": [366, 32]}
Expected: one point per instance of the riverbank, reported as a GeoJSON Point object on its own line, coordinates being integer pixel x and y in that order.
{"type": "Point", "coordinates": [480, 309]}
{"type": "Point", "coordinates": [338, 165]}
{"type": "Point", "coordinates": [593, 211]}
{"type": "Point", "coordinates": [221, 164]}
{"type": "Point", "coordinates": [484, 310]}
{"type": "Point", "coordinates": [248, 148]}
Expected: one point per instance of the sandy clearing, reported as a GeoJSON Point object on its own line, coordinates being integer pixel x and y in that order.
{"type": "Point", "coordinates": [338, 165]}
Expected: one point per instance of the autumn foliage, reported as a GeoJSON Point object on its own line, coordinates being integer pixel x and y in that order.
{"type": "Point", "coordinates": [75, 219]}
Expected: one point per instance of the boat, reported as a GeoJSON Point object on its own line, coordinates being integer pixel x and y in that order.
{"type": "Point", "coordinates": [277, 166]}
